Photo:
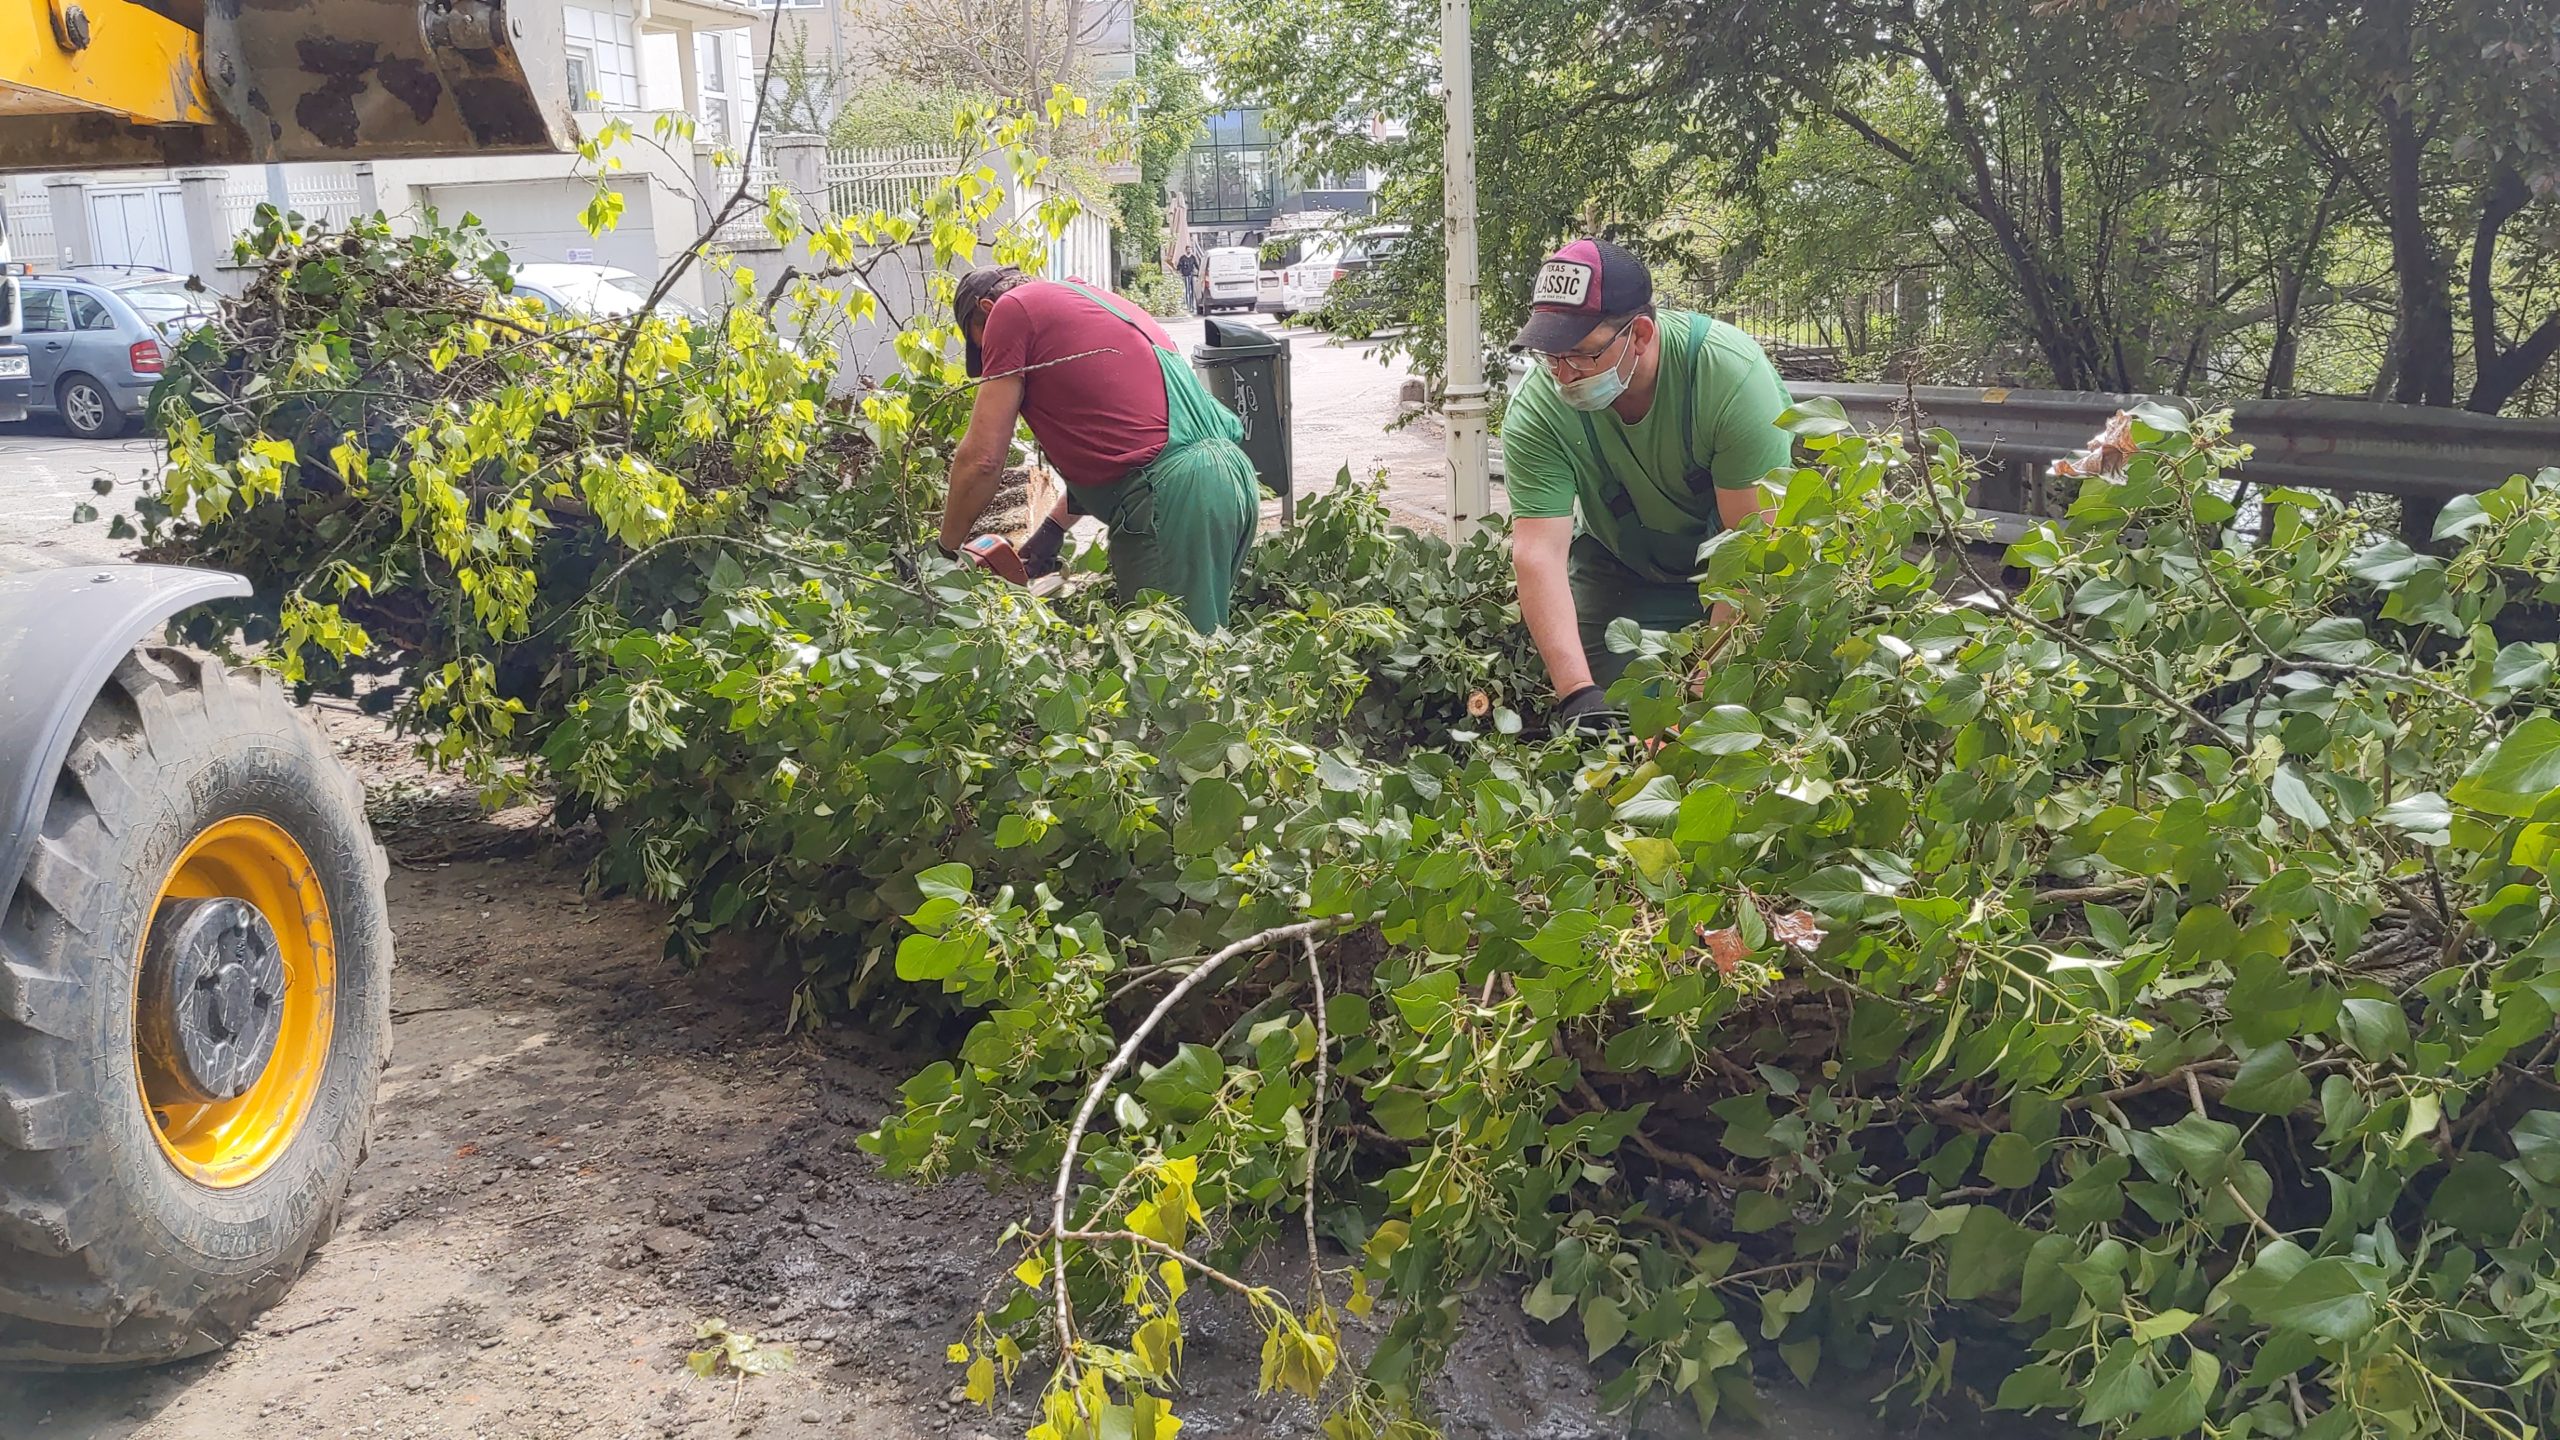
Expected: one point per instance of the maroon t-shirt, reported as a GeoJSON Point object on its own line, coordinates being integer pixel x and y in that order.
{"type": "Point", "coordinates": [1099, 415]}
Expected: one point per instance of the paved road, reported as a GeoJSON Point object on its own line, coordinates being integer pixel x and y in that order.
{"type": "Point", "coordinates": [45, 474]}
{"type": "Point", "coordinates": [1344, 412]}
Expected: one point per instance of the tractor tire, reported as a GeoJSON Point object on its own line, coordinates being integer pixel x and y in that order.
{"type": "Point", "coordinates": [195, 1013]}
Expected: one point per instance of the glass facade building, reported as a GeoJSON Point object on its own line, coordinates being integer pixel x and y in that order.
{"type": "Point", "coordinates": [1236, 183]}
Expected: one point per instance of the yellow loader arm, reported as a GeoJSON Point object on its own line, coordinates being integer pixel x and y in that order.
{"type": "Point", "coordinates": [96, 84]}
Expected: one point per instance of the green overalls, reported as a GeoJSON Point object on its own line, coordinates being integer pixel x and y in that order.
{"type": "Point", "coordinates": [1183, 522]}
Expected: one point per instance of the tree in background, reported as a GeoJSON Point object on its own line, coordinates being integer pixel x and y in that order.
{"type": "Point", "coordinates": [1170, 105]}
{"type": "Point", "coordinates": [803, 88]}
{"type": "Point", "coordinates": [2439, 122]}
{"type": "Point", "coordinates": [2114, 196]}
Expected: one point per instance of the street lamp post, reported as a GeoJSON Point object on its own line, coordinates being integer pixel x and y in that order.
{"type": "Point", "coordinates": [1463, 402]}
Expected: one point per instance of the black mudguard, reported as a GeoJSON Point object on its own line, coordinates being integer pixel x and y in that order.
{"type": "Point", "coordinates": [62, 633]}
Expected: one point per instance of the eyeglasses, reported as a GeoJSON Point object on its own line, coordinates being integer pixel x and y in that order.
{"type": "Point", "coordinates": [1575, 364]}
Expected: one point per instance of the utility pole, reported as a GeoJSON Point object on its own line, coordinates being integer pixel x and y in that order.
{"type": "Point", "coordinates": [1463, 402]}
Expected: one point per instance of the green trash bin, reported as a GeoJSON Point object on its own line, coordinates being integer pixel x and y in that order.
{"type": "Point", "coordinates": [1247, 368]}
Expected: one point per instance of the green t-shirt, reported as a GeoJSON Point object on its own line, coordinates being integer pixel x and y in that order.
{"type": "Point", "coordinates": [1647, 490]}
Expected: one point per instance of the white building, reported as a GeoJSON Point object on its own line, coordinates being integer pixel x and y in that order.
{"type": "Point", "coordinates": [627, 59]}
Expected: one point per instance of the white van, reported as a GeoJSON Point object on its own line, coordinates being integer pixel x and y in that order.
{"type": "Point", "coordinates": [1230, 279]}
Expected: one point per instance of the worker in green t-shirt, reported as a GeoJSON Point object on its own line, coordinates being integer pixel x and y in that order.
{"type": "Point", "coordinates": [1639, 436]}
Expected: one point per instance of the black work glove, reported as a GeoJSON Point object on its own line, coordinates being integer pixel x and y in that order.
{"type": "Point", "coordinates": [1587, 712]}
{"type": "Point", "coordinates": [1040, 552]}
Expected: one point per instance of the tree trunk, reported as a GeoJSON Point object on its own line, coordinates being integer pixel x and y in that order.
{"type": "Point", "coordinates": [2498, 371]}
{"type": "Point", "coordinates": [2510, 371]}
{"type": "Point", "coordinates": [2423, 338]}
{"type": "Point", "coordinates": [2286, 355]}
{"type": "Point", "coordinates": [2060, 323]}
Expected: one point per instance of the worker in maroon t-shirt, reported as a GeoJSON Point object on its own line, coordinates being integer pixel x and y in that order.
{"type": "Point", "coordinates": [1125, 423]}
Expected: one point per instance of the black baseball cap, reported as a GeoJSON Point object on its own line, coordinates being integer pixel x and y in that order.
{"type": "Point", "coordinates": [975, 286]}
{"type": "Point", "coordinates": [1581, 285]}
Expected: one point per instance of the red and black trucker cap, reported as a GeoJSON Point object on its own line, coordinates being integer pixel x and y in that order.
{"type": "Point", "coordinates": [1581, 285]}
{"type": "Point", "coordinates": [975, 286]}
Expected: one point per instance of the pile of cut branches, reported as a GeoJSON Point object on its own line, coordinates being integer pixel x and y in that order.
{"type": "Point", "coordinates": [2158, 960]}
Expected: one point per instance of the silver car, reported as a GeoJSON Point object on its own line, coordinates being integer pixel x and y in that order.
{"type": "Point", "coordinates": [97, 343]}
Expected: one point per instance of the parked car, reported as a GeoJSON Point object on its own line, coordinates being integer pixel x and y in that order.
{"type": "Point", "coordinates": [1276, 256]}
{"type": "Point", "coordinates": [97, 341]}
{"type": "Point", "coordinates": [1331, 259]}
{"type": "Point", "coordinates": [13, 356]}
{"type": "Point", "coordinates": [592, 292]}
{"type": "Point", "coordinates": [1230, 279]}
{"type": "Point", "coordinates": [13, 381]}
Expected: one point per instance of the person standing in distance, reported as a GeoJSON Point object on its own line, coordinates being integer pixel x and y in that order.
{"type": "Point", "coordinates": [1126, 425]}
{"type": "Point", "coordinates": [1188, 267]}
{"type": "Point", "coordinates": [1639, 435]}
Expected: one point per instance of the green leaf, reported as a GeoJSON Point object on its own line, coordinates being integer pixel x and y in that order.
{"type": "Point", "coordinates": [1755, 1211]}
{"type": "Point", "coordinates": [2012, 1161]}
{"type": "Point", "coordinates": [1803, 1358]}
{"type": "Point", "coordinates": [2426, 816]}
{"type": "Point", "coordinates": [2036, 1387]}
{"type": "Point", "coordinates": [951, 882]}
{"type": "Point", "coordinates": [2460, 516]}
{"type": "Point", "coordinates": [1657, 802]}
{"type": "Point", "coordinates": [2163, 1325]}
{"type": "Point", "coordinates": [2202, 1148]}
{"type": "Point", "coordinates": [1603, 1325]}
{"type": "Point", "coordinates": [2326, 1298]}
{"type": "Point", "coordinates": [1543, 1303]}
{"type": "Point", "coordinates": [1940, 1222]}
{"type": "Point", "coordinates": [1987, 1255]}
{"type": "Point", "coordinates": [2182, 1404]}
{"type": "Point", "coordinates": [1213, 809]}
{"type": "Point", "coordinates": [2095, 1197]}
{"type": "Point", "coordinates": [1724, 730]}
{"type": "Point", "coordinates": [2389, 563]}
{"type": "Point", "coordinates": [1655, 858]}
{"type": "Point", "coordinates": [2375, 1029]}
{"type": "Point", "coordinates": [2294, 797]}
{"type": "Point", "coordinates": [2536, 1136]}
{"type": "Point", "coordinates": [1816, 415]}
{"type": "Point", "coordinates": [2425, 1110]}
{"type": "Point", "coordinates": [2118, 1387]}
{"type": "Point", "coordinates": [1337, 774]}
{"type": "Point", "coordinates": [2270, 1082]}
{"type": "Point", "coordinates": [2514, 775]}
{"type": "Point", "coordinates": [1837, 891]}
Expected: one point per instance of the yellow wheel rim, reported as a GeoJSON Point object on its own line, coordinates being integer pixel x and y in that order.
{"type": "Point", "coordinates": [228, 1143]}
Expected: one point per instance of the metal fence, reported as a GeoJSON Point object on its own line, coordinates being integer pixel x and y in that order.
{"type": "Point", "coordinates": [895, 179]}
{"type": "Point", "coordinates": [326, 193]}
{"type": "Point", "coordinates": [30, 218]}
{"type": "Point", "coordinates": [2420, 455]}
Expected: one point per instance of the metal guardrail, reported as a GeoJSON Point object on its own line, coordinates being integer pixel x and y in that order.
{"type": "Point", "coordinates": [2343, 445]}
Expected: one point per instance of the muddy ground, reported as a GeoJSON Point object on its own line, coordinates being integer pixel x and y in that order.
{"type": "Point", "coordinates": [584, 1150]}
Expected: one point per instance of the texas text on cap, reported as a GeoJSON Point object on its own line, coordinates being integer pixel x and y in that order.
{"type": "Point", "coordinates": [1579, 286]}
{"type": "Point", "coordinates": [975, 286]}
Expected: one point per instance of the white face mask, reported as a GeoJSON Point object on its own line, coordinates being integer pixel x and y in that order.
{"type": "Point", "coordinates": [1597, 392]}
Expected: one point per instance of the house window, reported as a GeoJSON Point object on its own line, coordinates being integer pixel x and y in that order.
{"type": "Point", "coordinates": [582, 79]}
{"type": "Point", "coordinates": [711, 70]}
{"type": "Point", "coordinates": [609, 40]}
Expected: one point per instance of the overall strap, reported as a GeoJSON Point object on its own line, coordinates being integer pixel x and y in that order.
{"type": "Point", "coordinates": [1123, 315]}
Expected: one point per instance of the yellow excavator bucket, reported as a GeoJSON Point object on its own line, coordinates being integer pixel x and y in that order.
{"type": "Point", "coordinates": [97, 84]}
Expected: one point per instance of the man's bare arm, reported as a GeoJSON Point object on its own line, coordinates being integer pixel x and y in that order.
{"type": "Point", "coordinates": [1737, 508]}
{"type": "Point", "coordinates": [979, 462]}
{"type": "Point", "coordinates": [1538, 550]}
